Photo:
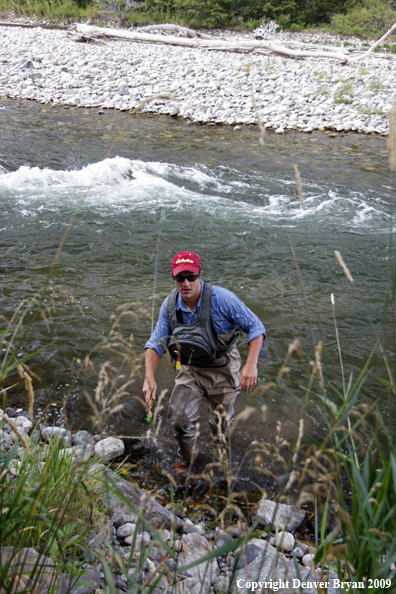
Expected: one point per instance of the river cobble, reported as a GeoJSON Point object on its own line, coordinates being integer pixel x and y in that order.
{"type": "Point", "coordinates": [207, 86]}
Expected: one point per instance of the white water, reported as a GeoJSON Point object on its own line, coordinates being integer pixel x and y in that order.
{"type": "Point", "coordinates": [242, 221]}
{"type": "Point", "coordinates": [119, 186]}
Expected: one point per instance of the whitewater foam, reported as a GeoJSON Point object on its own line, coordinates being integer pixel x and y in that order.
{"type": "Point", "coordinates": [120, 186]}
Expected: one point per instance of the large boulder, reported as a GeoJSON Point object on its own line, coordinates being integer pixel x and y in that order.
{"type": "Point", "coordinates": [19, 567]}
{"type": "Point", "coordinates": [198, 579]}
{"type": "Point", "coordinates": [273, 566]}
{"type": "Point", "coordinates": [279, 516]}
{"type": "Point", "coordinates": [85, 584]}
{"type": "Point", "coordinates": [155, 514]}
{"type": "Point", "coordinates": [27, 571]}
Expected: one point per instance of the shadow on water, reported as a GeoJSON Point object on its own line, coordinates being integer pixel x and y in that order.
{"type": "Point", "coordinates": [216, 191]}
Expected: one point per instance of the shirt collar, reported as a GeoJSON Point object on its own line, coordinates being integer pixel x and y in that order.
{"type": "Point", "coordinates": [180, 304]}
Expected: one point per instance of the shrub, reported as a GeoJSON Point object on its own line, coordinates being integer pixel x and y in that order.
{"type": "Point", "coordinates": [369, 20]}
{"type": "Point", "coordinates": [121, 9]}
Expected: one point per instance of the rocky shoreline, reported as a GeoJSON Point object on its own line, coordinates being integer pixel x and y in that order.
{"type": "Point", "coordinates": [148, 536]}
{"type": "Point", "coordinates": [211, 87]}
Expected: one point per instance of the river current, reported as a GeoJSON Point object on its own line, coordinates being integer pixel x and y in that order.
{"type": "Point", "coordinates": [165, 187]}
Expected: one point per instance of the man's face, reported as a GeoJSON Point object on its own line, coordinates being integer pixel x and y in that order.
{"type": "Point", "coordinates": [189, 290]}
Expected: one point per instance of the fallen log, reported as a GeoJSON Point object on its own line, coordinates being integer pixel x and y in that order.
{"type": "Point", "coordinates": [251, 45]}
{"type": "Point", "coordinates": [182, 30]}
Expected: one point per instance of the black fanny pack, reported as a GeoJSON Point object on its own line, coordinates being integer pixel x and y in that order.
{"type": "Point", "coordinates": [197, 344]}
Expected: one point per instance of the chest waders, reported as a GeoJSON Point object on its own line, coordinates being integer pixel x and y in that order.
{"type": "Point", "coordinates": [197, 344]}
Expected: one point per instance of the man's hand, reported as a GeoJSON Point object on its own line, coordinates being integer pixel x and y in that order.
{"type": "Point", "coordinates": [248, 376]}
{"type": "Point", "coordinates": [149, 390]}
{"type": "Point", "coordinates": [151, 360]}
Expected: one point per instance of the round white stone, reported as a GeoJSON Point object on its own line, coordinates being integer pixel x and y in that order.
{"type": "Point", "coordinates": [284, 541]}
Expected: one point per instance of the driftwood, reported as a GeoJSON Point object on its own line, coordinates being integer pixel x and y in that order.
{"type": "Point", "coordinates": [377, 43]}
{"type": "Point", "coordinates": [251, 45]}
{"type": "Point", "coordinates": [182, 30]}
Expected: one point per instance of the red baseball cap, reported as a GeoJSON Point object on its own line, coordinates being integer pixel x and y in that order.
{"type": "Point", "coordinates": [185, 261]}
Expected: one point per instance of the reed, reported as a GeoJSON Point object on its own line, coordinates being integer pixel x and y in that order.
{"type": "Point", "coordinates": [47, 504]}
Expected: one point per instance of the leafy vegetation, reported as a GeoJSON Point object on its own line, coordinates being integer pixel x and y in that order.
{"type": "Point", "coordinates": [367, 18]}
{"type": "Point", "coordinates": [347, 17]}
{"type": "Point", "coordinates": [287, 13]}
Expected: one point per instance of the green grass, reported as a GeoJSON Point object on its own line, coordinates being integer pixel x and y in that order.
{"type": "Point", "coordinates": [371, 111]}
{"type": "Point", "coordinates": [52, 10]}
{"type": "Point", "coordinates": [47, 504]}
{"type": "Point", "coordinates": [344, 94]}
{"type": "Point", "coordinates": [375, 84]}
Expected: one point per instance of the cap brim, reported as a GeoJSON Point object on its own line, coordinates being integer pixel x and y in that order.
{"type": "Point", "coordinates": [185, 268]}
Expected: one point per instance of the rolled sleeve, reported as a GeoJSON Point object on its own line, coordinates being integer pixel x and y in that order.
{"type": "Point", "coordinates": [160, 337]}
{"type": "Point", "coordinates": [239, 314]}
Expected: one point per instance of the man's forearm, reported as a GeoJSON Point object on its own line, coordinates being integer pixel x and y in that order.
{"type": "Point", "coordinates": [151, 360]}
{"type": "Point", "coordinates": [254, 349]}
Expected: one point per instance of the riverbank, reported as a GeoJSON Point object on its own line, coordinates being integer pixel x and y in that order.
{"type": "Point", "coordinates": [211, 87]}
{"type": "Point", "coordinates": [149, 540]}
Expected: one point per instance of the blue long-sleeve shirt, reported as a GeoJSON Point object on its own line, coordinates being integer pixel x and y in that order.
{"type": "Point", "coordinates": [227, 312]}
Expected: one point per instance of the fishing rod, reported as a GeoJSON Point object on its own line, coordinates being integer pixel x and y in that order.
{"type": "Point", "coordinates": [149, 415]}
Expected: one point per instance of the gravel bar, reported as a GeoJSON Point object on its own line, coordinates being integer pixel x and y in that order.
{"type": "Point", "coordinates": [210, 86]}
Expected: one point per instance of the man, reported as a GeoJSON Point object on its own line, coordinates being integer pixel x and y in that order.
{"type": "Point", "coordinates": [199, 323]}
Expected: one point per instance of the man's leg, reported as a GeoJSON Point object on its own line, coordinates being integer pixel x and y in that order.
{"type": "Point", "coordinates": [221, 412]}
{"type": "Point", "coordinates": [222, 389]}
{"type": "Point", "coordinates": [183, 412]}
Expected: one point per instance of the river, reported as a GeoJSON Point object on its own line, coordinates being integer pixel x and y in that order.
{"type": "Point", "coordinates": [166, 187]}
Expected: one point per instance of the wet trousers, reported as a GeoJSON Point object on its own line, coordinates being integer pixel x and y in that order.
{"type": "Point", "coordinates": [218, 386]}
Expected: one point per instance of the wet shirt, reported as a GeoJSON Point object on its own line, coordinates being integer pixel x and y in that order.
{"type": "Point", "coordinates": [227, 312]}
